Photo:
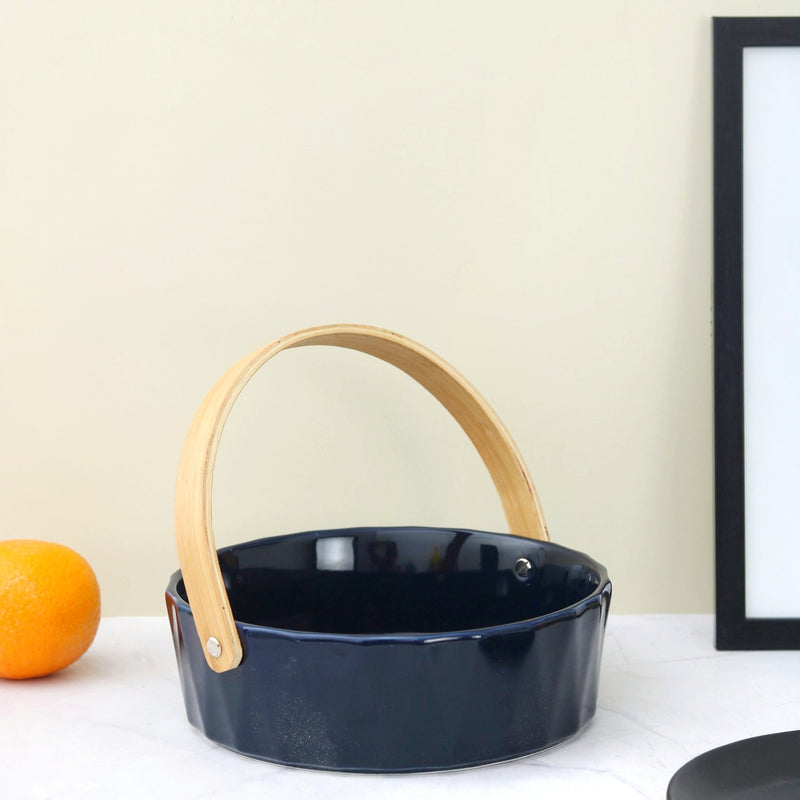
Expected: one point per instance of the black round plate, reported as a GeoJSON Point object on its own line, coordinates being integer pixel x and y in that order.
{"type": "Point", "coordinates": [763, 768]}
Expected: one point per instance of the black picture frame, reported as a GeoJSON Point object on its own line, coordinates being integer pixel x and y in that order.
{"type": "Point", "coordinates": [734, 629]}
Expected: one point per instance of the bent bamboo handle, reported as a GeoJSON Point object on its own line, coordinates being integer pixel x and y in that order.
{"type": "Point", "coordinates": [195, 537]}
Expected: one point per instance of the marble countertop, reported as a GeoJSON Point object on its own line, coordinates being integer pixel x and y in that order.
{"type": "Point", "coordinates": [113, 725]}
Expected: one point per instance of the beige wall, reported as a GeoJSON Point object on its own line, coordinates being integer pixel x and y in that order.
{"type": "Point", "coordinates": [525, 187]}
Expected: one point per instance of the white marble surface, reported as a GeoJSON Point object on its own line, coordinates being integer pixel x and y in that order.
{"type": "Point", "coordinates": [113, 725]}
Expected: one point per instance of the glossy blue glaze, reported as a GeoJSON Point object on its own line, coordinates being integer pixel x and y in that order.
{"type": "Point", "coordinates": [399, 649]}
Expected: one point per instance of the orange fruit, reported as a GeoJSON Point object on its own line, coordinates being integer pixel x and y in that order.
{"type": "Point", "coordinates": [49, 607]}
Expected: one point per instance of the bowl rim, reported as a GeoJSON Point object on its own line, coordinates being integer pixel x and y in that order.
{"type": "Point", "coordinates": [576, 609]}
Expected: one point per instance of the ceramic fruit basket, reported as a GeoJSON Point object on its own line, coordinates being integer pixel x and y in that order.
{"type": "Point", "coordinates": [397, 649]}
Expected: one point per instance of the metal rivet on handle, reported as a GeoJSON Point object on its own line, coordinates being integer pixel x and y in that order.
{"type": "Point", "coordinates": [213, 647]}
{"type": "Point", "coordinates": [522, 568]}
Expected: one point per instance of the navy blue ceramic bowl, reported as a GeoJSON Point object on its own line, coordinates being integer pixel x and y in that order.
{"type": "Point", "coordinates": [399, 649]}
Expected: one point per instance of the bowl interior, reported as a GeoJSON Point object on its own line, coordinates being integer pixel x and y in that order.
{"type": "Point", "coordinates": [401, 580]}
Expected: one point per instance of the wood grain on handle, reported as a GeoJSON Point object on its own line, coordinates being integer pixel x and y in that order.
{"type": "Point", "coordinates": [195, 537]}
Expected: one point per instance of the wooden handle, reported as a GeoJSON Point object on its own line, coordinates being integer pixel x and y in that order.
{"type": "Point", "coordinates": [196, 548]}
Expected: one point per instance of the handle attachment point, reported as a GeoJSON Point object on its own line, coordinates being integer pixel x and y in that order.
{"type": "Point", "coordinates": [213, 647]}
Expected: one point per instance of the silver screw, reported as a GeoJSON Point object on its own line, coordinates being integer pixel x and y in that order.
{"type": "Point", "coordinates": [213, 647]}
{"type": "Point", "coordinates": [522, 568]}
